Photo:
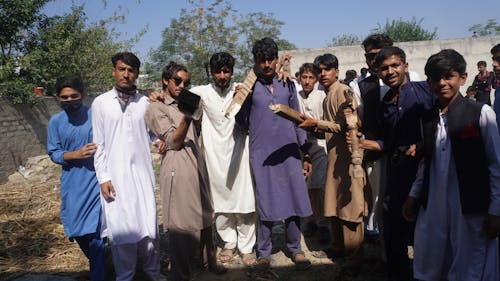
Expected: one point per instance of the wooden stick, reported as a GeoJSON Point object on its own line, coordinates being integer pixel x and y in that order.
{"type": "Point", "coordinates": [287, 112]}
{"type": "Point", "coordinates": [240, 97]}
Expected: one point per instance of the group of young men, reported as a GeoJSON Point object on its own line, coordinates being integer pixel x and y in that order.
{"type": "Point", "coordinates": [419, 145]}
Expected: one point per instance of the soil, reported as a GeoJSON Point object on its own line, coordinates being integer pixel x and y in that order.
{"type": "Point", "coordinates": [34, 247]}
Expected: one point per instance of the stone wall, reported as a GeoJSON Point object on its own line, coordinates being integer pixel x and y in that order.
{"type": "Point", "coordinates": [23, 132]}
{"type": "Point", "coordinates": [352, 57]}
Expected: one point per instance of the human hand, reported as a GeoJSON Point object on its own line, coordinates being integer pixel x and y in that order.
{"type": "Point", "coordinates": [161, 146]}
{"type": "Point", "coordinates": [412, 150]}
{"type": "Point", "coordinates": [308, 123]}
{"type": "Point", "coordinates": [492, 226]}
{"type": "Point", "coordinates": [307, 166]}
{"type": "Point", "coordinates": [410, 208]}
{"type": "Point", "coordinates": [108, 191]}
{"type": "Point", "coordinates": [87, 151]}
{"type": "Point", "coordinates": [285, 76]}
{"type": "Point", "coordinates": [156, 96]}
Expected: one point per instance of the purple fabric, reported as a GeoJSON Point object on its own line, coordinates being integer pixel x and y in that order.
{"type": "Point", "coordinates": [280, 188]}
{"type": "Point", "coordinates": [264, 240]}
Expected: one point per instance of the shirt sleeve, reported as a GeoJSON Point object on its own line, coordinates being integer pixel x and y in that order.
{"type": "Point", "coordinates": [54, 144]}
{"type": "Point", "coordinates": [416, 188]}
{"type": "Point", "coordinates": [100, 159]}
{"type": "Point", "coordinates": [160, 123]}
{"type": "Point", "coordinates": [491, 138]}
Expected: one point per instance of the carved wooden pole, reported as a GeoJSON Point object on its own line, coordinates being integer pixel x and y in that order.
{"type": "Point", "coordinates": [352, 126]}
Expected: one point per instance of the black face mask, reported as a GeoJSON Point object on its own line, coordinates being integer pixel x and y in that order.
{"type": "Point", "coordinates": [72, 105]}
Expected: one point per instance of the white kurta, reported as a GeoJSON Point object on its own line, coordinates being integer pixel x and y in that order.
{"type": "Point", "coordinates": [312, 106]}
{"type": "Point", "coordinates": [448, 244]}
{"type": "Point", "coordinates": [226, 152]}
{"type": "Point", "coordinates": [123, 157]}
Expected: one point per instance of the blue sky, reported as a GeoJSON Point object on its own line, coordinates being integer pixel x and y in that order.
{"type": "Point", "coordinates": [308, 24]}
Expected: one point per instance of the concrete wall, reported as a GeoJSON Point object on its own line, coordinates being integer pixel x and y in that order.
{"type": "Point", "coordinates": [352, 57]}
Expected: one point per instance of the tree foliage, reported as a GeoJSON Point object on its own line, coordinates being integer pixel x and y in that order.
{"type": "Point", "coordinates": [206, 28]}
{"type": "Point", "coordinates": [403, 31]}
{"type": "Point", "coordinates": [37, 49]}
{"type": "Point", "coordinates": [489, 29]}
{"type": "Point", "coordinates": [345, 40]}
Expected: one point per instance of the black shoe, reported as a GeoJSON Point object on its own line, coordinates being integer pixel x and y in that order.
{"type": "Point", "coordinates": [310, 229]}
{"type": "Point", "coordinates": [324, 235]}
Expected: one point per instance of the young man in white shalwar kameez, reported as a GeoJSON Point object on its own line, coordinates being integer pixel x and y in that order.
{"type": "Point", "coordinates": [458, 182]}
{"type": "Point", "coordinates": [225, 148]}
{"type": "Point", "coordinates": [124, 170]}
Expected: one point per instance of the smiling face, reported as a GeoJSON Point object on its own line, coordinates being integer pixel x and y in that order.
{"type": "Point", "coordinates": [447, 86]}
{"type": "Point", "coordinates": [178, 82]}
{"type": "Point", "coordinates": [124, 75]}
{"type": "Point", "coordinates": [393, 71]}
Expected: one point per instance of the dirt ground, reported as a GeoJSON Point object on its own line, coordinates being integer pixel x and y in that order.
{"type": "Point", "coordinates": [34, 246]}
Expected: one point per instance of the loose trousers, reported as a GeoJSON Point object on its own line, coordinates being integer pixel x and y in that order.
{"type": "Point", "coordinates": [237, 230]}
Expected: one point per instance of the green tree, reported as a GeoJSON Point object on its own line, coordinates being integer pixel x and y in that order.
{"type": "Point", "coordinates": [345, 40]}
{"type": "Point", "coordinates": [404, 31]}
{"type": "Point", "coordinates": [206, 28]}
{"type": "Point", "coordinates": [66, 46]}
{"type": "Point", "coordinates": [489, 29]}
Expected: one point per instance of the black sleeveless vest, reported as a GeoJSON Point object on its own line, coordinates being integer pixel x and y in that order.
{"type": "Point", "coordinates": [468, 152]}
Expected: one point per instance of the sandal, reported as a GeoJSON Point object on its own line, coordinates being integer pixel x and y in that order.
{"type": "Point", "coordinates": [248, 259]}
{"type": "Point", "coordinates": [226, 255]}
{"type": "Point", "coordinates": [301, 262]}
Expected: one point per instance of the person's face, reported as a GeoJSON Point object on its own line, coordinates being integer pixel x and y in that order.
{"type": "Point", "coordinates": [328, 76]}
{"type": "Point", "coordinates": [481, 68]}
{"type": "Point", "coordinates": [447, 86]}
{"type": "Point", "coordinates": [393, 71]}
{"type": "Point", "coordinates": [178, 82]}
{"type": "Point", "coordinates": [266, 66]}
{"type": "Point", "coordinates": [125, 75]}
{"type": "Point", "coordinates": [307, 81]}
{"type": "Point", "coordinates": [370, 53]}
{"type": "Point", "coordinates": [496, 64]}
{"type": "Point", "coordinates": [68, 94]}
{"type": "Point", "coordinates": [222, 78]}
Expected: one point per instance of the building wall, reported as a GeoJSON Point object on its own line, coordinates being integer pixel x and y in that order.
{"type": "Point", "coordinates": [417, 53]}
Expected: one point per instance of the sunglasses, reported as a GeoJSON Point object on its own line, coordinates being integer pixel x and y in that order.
{"type": "Point", "coordinates": [178, 81]}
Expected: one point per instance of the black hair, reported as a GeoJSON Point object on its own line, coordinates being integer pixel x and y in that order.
{"type": "Point", "coordinates": [495, 49]}
{"type": "Point", "coordinates": [128, 58]}
{"type": "Point", "coordinates": [265, 48]}
{"type": "Point", "coordinates": [309, 67]}
{"type": "Point", "coordinates": [170, 70]}
{"type": "Point", "coordinates": [73, 82]}
{"type": "Point", "coordinates": [471, 89]}
{"type": "Point", "coordinates": [220, 60]}
{"type": "Point", "coordinates": [444, 62]}
{"type": "Point", "coordinates": [481, 63]}
{"type": "Point", "coordinates": [387, 52]}
{"type": "Point", "coordinates": [328, 60]}
{"type": "Point", "coordinates": [377, 41]}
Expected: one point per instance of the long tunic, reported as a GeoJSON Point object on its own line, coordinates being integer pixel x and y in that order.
{"type": "Point", "coordinates": [225, 147]}
{"type": "Point", "coordinates": [344, 197]}
{"type": "Point", "coordinates": [123, 157]}
{"type": "Point", "coordinates": [448, 244]}
{"type": "Point", "coordinates": [185, 193]}
{"type": "Point", "coordinates": [312, 106]}
{"type": "Point", "coordinates": [280, 188]}
{"type": "Point", "coordinates": [80, 191]}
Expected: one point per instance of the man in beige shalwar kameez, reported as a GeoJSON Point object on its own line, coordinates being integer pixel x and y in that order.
{"type": "Point", "coordinates": [187, 203]}
{"type": "Point", "coordinates": [344, 194]}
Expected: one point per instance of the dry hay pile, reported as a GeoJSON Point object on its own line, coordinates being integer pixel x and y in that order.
{"type": "Point", "coordinates": [32, 236]}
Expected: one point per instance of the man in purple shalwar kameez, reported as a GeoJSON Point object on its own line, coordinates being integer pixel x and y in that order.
{"type": "Point", "coordinates": [275, 157]}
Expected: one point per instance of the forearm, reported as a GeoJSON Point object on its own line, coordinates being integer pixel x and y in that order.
{"type": "Point", "coordinates": [179, 134]}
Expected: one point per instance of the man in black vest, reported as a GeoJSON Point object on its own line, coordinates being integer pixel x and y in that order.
{"type": "Point", "coordinates": [458, 181]}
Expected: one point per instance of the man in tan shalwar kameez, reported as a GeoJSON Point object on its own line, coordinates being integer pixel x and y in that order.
{"type": "Point", "coordinates": [344, 193]}
{"type": "Point", "coordinates": [187, 202]}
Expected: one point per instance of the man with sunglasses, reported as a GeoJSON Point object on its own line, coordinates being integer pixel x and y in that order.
{"type": "Point", "coordinates": [124, 170]}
